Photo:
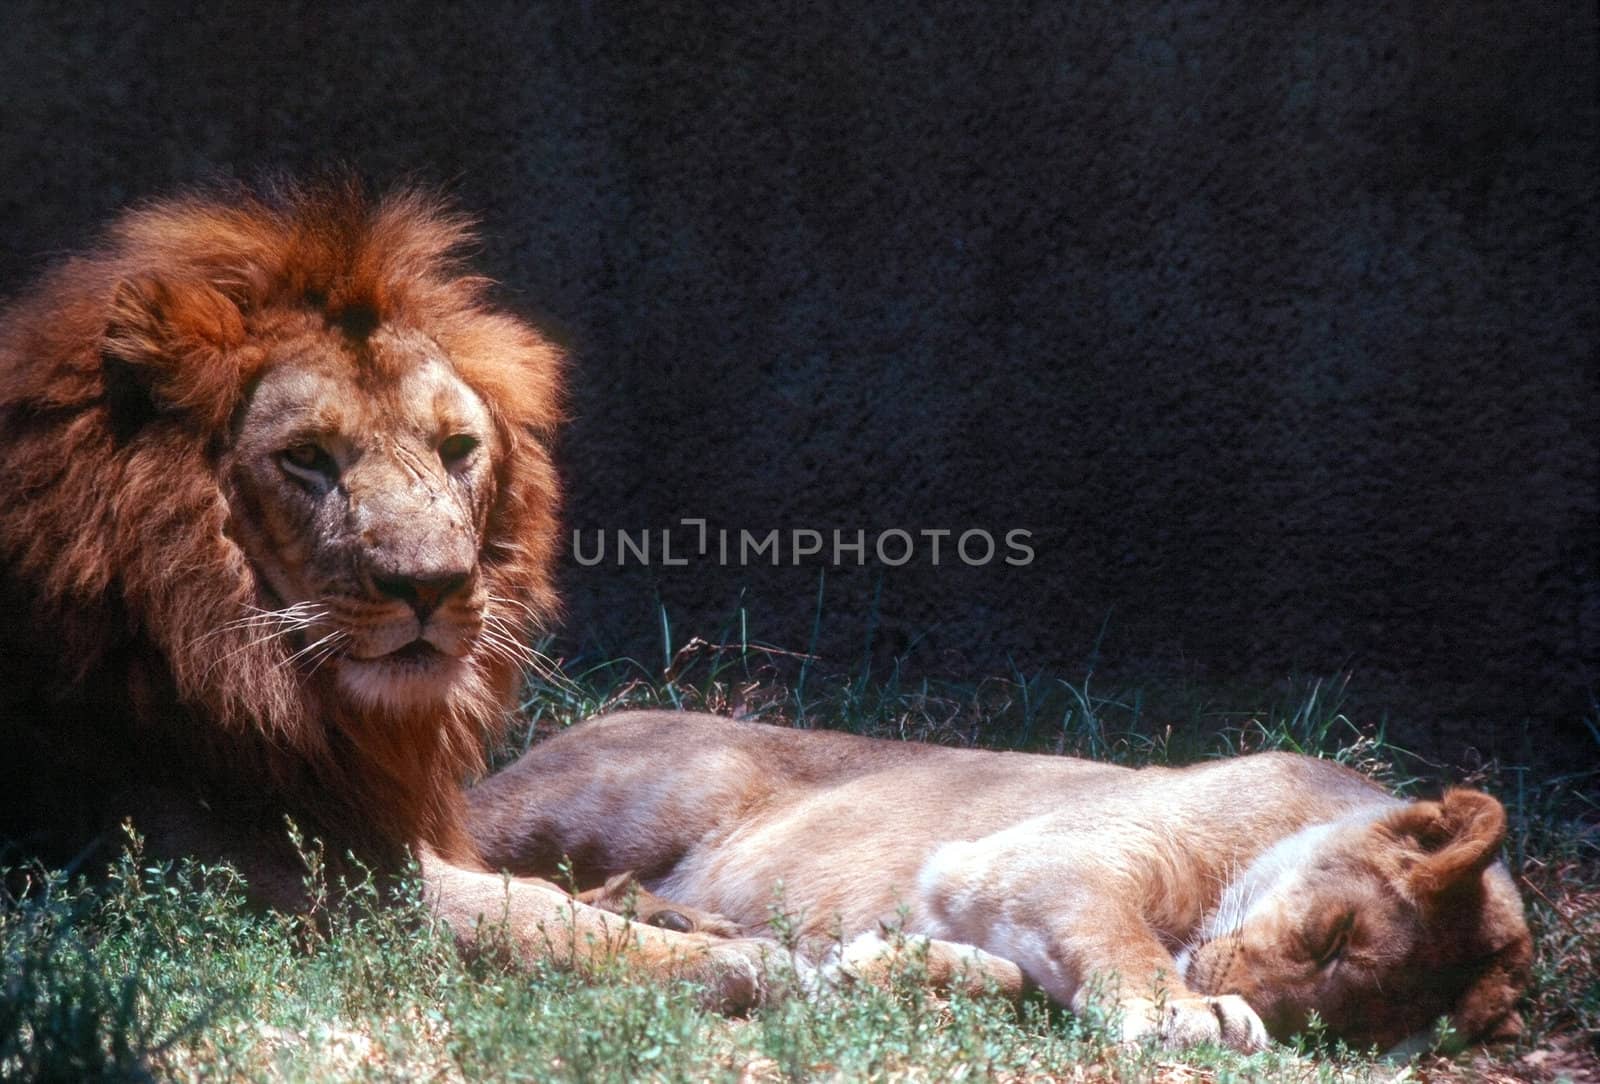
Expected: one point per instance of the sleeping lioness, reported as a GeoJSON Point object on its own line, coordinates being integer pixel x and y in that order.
{"type": "Point", "coordinates": [1225, 901]}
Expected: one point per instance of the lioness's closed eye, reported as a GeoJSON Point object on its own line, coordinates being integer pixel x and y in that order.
{"type": "Point", "coordinates": [1224, 902]}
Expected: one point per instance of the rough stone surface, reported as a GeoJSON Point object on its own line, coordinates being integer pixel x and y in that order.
{"type": "Point", "coordinates": [1275, 323]}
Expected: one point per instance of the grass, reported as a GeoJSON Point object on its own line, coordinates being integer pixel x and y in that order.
{"type": "Point", "coordinates": [163, 972]}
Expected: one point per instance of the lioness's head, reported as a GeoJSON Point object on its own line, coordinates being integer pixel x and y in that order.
{"type": "Point", "coordinates": [1381, 923]}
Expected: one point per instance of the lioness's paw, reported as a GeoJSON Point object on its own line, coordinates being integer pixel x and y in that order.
{"type": "Point", "coordinates": [872, 958]}
{"type": "Point", "coordinates": [1241, 1028]}
{"type": "Point", "coordinates": [867, 957]}
{"type": "Point", "coordinates": [1187, 1021]}
{"type": "Point", "coordinates": [943, 965]}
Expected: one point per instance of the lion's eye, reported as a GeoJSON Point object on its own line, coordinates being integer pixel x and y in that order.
{"type": "Point", "coordinates": [309, 462]}
{"type": "Point", "coordinates": [454, 450]}
{"type": "Point", "coordinates": [1331, 943]}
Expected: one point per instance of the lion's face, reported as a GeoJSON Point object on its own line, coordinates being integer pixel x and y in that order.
{"type": "Point", "coordinates": [278, 475]}
{"type": "Point", "coordinates": [362, 507]}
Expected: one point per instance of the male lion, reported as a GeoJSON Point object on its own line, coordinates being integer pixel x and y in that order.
{"type": "Point", "coordinates": [1224, 901]}
{"type": "Point", "coordinates": [278, 512]}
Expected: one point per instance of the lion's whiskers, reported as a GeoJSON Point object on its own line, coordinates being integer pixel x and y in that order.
{"type": "Point", "coordinates": [327, 644]}
{"type": "Point", "coordinates": [523, 606]}
{"type": "Point", "coordinates": [546, 667]}
{"type": "Point", "coordinates": [300, 615]}
{"type": "Point", "coordinates": [325, 654]}
{"type": "Point", "coordinates": [500, 638]}
{"type": "Point", "coordinates": [290, 619]}
{"type": "Point", "coordinates": [498, 641]}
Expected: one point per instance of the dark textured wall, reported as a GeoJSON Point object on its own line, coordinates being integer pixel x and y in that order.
{"type": "Point", "coordinates": [1274, 322]}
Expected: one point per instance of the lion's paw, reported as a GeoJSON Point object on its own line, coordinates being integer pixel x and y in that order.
{"type": "Point", "coordinates": [742, 974]}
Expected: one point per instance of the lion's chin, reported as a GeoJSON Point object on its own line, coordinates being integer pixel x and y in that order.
{"type": "Point", "coordinates": [405, 679]}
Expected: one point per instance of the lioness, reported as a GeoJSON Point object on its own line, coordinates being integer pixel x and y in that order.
{"type": "Point", "coordinates": [1224, 901]}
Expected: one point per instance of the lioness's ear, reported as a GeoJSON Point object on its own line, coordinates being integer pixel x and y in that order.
{"type": "Point", "coordinates": [164, 348]}
{"type": "Point", "coordinates": [1458, 836]}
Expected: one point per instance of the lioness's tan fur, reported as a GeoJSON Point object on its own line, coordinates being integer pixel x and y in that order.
{"type": "Point", "coordinates": [1221, 901]}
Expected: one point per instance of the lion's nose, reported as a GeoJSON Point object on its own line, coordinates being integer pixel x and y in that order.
{"type": "Point", "coordinates": [422, 593]}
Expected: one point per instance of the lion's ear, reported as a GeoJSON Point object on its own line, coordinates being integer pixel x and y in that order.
{"type": "Point", "coordinates": [164, 349]}
{"type": "Point", "coordinates": [1457, 836]}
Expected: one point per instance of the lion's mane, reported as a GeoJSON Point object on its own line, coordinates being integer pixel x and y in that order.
{"type": "Point", "coordinates": [130, 646]}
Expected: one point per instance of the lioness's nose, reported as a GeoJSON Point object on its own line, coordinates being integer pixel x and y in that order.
{"type": "Point", "coordinates": [422, 593]}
